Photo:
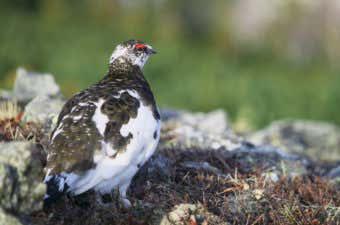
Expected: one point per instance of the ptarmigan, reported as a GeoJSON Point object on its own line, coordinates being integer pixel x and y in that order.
{"type": "Point", "coordinates": [105, 133]}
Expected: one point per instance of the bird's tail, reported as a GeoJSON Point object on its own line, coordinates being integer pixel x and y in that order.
{"type": "Point", "coordinates": [56, 188]}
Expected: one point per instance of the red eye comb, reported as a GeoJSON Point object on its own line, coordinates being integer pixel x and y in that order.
{"type": "Point", "coordinates": [139, 45]}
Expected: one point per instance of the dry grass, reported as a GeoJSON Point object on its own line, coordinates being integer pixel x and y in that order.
{"type": "Point", "coordinates": [304, 201]}
{"type": "Point", "coordinates": [8, 110]}
{"type": "Point", "coordinates": [237, 198]}
{"type": "Point", "coordinates": [11, 127]}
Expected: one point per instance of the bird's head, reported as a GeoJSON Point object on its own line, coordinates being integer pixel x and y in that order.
{"type": "Point", "coordinates": [134, 51]}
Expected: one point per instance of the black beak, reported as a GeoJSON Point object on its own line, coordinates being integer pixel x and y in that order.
{"type": "Point", "coordinates": [151, 51]}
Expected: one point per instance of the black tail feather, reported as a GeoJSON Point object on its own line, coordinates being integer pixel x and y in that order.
{"type": "Point", "coordinates": [54, 192]}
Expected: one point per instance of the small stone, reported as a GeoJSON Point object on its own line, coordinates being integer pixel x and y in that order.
{"type": "Point", "coordinates": [183, 214]}
{"type": "Point", "coordinates": [258, 193]}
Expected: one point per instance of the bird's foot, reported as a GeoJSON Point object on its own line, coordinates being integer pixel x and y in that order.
{"type": "Point", "coordinates": [103, 200]}
{"type": "Point", "coordinates": [122, 202]}
{"type": "Point", "coordinates": [125, 203]}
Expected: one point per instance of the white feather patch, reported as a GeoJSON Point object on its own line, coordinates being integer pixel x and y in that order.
{"type": "Point", "coordinates": [99, 118]}
{"type": "Point", "coordinates": [107, 148]}
{"type": "Point", "coordinates": [119, 51]}
{"type": "Point", "coordinates": [76, 118]}
{"type": "Point", "coordinates": [48, 176]}
{"type": "Point", "coordinates": [58, 131]}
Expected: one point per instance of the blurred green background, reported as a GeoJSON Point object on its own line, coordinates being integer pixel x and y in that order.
{"type": "Point", "coordinates": [260, 60]}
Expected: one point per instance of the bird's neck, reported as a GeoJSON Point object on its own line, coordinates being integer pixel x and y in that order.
{"type": "Point", "coordinates": [121, 65]}
{"type": "Point", "coordinates": [123, 72]}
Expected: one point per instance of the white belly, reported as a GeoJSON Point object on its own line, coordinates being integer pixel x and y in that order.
{"type": "Point", "coordinates": [113, 172]}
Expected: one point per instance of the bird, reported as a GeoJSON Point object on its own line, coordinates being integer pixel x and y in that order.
{"type": "Point", "coordinates": [105, 133]}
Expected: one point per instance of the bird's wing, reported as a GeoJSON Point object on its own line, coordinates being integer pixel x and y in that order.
{"type": "Point", "coordinates": [83, 125]}
{"type": "Point", "coordinates": [74, 140]}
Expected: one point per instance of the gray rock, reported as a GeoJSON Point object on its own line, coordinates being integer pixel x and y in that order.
{"type": "Point", "coordinates": [184, 130]}
{"type": "Point", "coordinates": [29, 85]}
{"type": "Point", "coordinates": [334, 173]}
{"type": "Point", "coordinates": [215, 122]}
{"type": "Point", "coordinates": [44, 111]}
{"type": "Point", "coordinates": [21, 172]}
{"type": "Point", "coordinates": [42, 108]}
{"type": "Point", "coordinates": [319, 141]}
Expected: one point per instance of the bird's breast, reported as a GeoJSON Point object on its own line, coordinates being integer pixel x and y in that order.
{"type": "Point", "coordinates": [141, 130]}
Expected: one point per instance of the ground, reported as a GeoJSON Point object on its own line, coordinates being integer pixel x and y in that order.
{"type": "Point", "coordinates": [202, 172]}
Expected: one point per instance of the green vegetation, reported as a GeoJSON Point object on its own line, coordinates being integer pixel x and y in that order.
{"type": "Point", "coordinates": [195, 69]}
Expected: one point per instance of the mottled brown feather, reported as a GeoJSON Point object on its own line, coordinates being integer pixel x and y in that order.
{"type": "Point", "coordinates": [73, 149]}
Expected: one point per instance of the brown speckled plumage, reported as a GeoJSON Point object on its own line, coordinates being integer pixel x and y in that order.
{"type": "Point", "coordinates": [74, 148]}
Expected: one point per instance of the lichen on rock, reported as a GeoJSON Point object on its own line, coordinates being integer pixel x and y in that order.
{"type": "Point", "coordinates": [21, 189]}
{"type": "Point", "coordinates": [317, 140]}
